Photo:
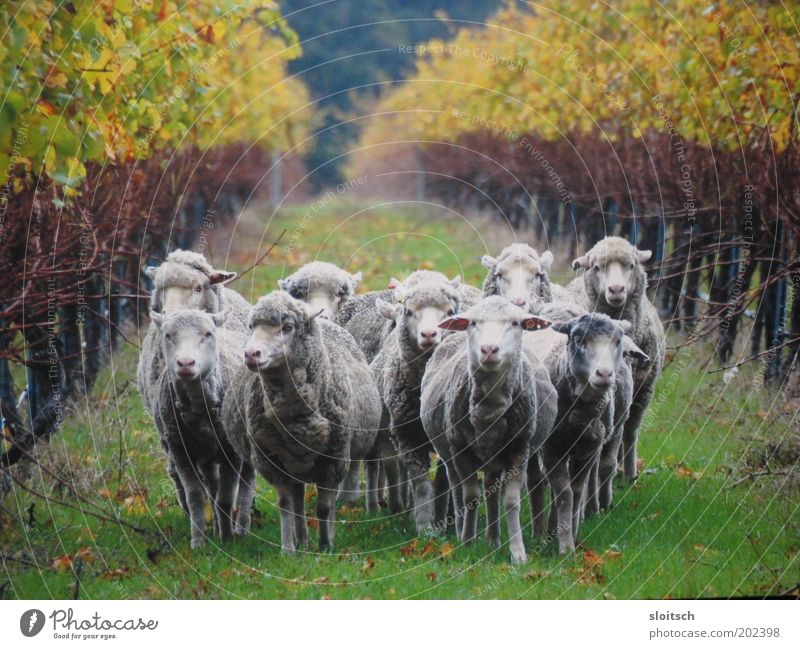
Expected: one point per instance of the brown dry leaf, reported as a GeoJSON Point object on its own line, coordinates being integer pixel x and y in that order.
{"type": "Point", "coordinates": [84, 554]}
{"type": "Point", "coordinates": [592, 560]}
{"type": "Point", "coordinates": [326, 596]}
{"type": "Point", "coordinates": [762, 414]}
{"type": "Point", "coordinates": [311, 493]}
{"type": "Point", "coordinates": [117, 573]}
{"type": "Point", "coordinates": [368, 565]}
{"type": "Point", "coordinates": [535, 576]}
{"type": "Point", "coordinates": [319, 581]}
{"type": "Point", "coordinates": [430, 548]}
{"type": "Point", "coordinates": [313, 523]}
{"type": "Point", "coordinates": [639, 465]}
{"type": "Point", "coordinates": [408, 550]}
{"type": "Point", "coordinates": [62, 563]}
{"type": "Point", "coordinates": [446, 551]}
{"type": "Point", "coordinates": [613, 554]}
{"type": "Point", "coordinates": [432, 576]}
{"type": "Point", "coordinates": [224, 574]}
{"type": "Point", "coordinates": [135, 504]}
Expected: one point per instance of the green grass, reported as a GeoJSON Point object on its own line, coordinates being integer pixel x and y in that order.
{"type": "Point", "coordinates": [682, 531]}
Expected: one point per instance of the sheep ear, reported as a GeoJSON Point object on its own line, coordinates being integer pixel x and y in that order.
{"type": "Point", "coordinates": [533, 323]}
{"type": "Point", "coordinates": [151, 271]}
{"type": "Point", "coordinates": [580, 262]}
{"type": "Point", "coordinates": [488, 262]}
{"type": "Point", "coordinates": [456, 281]}
{"type": "Point", "coordinates": [625, 324]}
{"type": "Point", "coordinates": [284, 285]}
{"type": "Point", "coordinates": [643, 255]}
{"type": "Point", "coordinates": [388, 311]}
{"type": "Point", "coordinates": [546, 260]}
{"type": "Point", "coordinates": [219, 318]}
{"type": "Point", "coordinates": [563, 327]}
{"type": "Point", "coordinates": [394, 283]}
{"type": "Point", "coordinates": [157, 318]}
{"type": "Point", "coordinates": [221, 277]}
{"type": "Point", "coordinates": [455, 323]}
{"type": "Point", "coordinates": [631, 350]}
{"type": "Point", "coordinates": [399, 295]}
{"type": "Point", "coordinates": [356, 277]}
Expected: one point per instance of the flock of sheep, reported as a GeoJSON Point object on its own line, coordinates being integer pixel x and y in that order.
{"type": "Point", "coordinates": [525, 384]}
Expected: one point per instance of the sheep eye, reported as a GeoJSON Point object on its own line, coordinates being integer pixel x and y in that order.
{"type": "Point", "coordinates": [473, 324]}
{"type": "Point", "coordinates": [515, 324]}
{"type": "Point", "coordinates": [408, 313]}
{"type": "Point", "coordinates": [451, 312]}
{"type": "Point", "coordinates": [287, 327]}
{"type": "Point", "coordinates": [167, 337]}
{"type": "Point", "coordinates": [209, 334]}
{"type": "Point", "coordinates": [198, 289]}
{"type": "Point", "coordinates": [596, 267]}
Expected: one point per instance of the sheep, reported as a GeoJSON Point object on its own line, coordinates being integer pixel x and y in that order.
{"type": "Point", "coordinates": [520, 275]}
{"type": "Point", "coordinates": [420, 305]}
{"type": "Point", "coordinates": [614, 282]}
{"type": "Point", "coordinates": [325, 287]}
{"type": "Point", "coordinates": [184, 281]}
{"type": "Point", "coordinates": [585, 365]}
{"type": "Point", "coordinates": [304, 392]}
{"type": "Point", "coordinates": [198, 358]}
{"type": "Point", "coordinates": [479, 408]}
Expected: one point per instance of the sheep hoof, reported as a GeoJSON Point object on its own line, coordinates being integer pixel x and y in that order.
{"type": "Point", "coordinates": [289, 552]}
{"type": "Point", "coordinates": [518, 557]}
{"type": "Point", "coordinates": [197, 543]}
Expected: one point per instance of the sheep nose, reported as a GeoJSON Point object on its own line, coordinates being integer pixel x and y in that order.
{"type": "Point", "coordinates": [616, 288]}
{"type": "Point", "coordinates": [429, 335]}
{"type": "Point", "coordinates": [518, 301]}
{"type": "Point", "coordinates": [489, 350]}
{"type": "Point", "coordinates": [252, 354]}
{"type": "Point", "coordinates": [185, 362]}
{"type": "Point", "coordinates": [603, 373]}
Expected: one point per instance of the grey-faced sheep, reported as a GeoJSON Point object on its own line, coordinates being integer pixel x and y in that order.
{"type": "Point", "coordinates": [584, 364]}
{"type": "Point", "coordinates": [614, 283]}
{"type": "Point", "coordinates": [521, 275]}
{"type": "Point", "coordinates": [479, 408]}
{"type": "Point", "coordinates": [398, 369]}
{"type": "Point", "coordinates": [199, 357]}
{"type": "Point", "coordinates": [303, 394]}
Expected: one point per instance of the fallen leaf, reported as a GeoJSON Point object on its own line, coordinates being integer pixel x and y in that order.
{"type": "Point", "coordinates": [432, 576]}
{"type": "Point", "coordinates": [368, 565]}
{"type": "Point", "coordinates": [313, 523]}
{"type": "Point", "coordinates": [408, 550]}
{"type": "Point", "coordinates": [446, 551]}
{"type": "Point", "coordinates": [117, 573]}
{"type": "Point", "coordinates": [62, 563]}
{"type": "Point", "coordinates": [319, 581]}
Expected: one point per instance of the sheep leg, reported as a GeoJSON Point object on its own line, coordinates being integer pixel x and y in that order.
{"type": "Point", "coordinates": [382, 482]}
{"type": "Point", "coordinates": [458, 497]}
{"type": "Point", "coordinates": [592, 495]}
{"type": "Point", "coordinates": [286, 509]}
{"type": "Point", "coordinates": [560, 523]}
{"type": "Point", "coordinates": [224, 499]}
{"type": "Point", "coordinates": [630, 438]}
{"type": "Point", "coordinates": [607, 469]}
{"type": "Point", "coordinates": [391, 466]}
{"type": "Point", "coordinates": [441, 498]}
{"type": "Point", "coordinates": [511, 503]}
{"type": "Point", "coordinates": [298, 491]}
{"type": "Point", "coordinates": [373, 469]}
{"type": "Point", "coordinates": [536, 490]}
{"type": "Point", "coordinates": [326, 515]}
{"type": "Point", "coordinates": [350, 489]}
{"type": "Point", "coordinates": [581, 468]}
{"type": "Point", "coordinates": [417, 464]}
{"type": "Point", "coordinates": [244, 498]}
{"type": "Point", "coordinates": [472, 493]}
{"type": "Point", "coordinates": [195, 499]}
{"type": "Point", "coordinates": [491, 491]}
{"type": "Point", "coordinates": [210, 481]}
{"type": "Point", "coordinates": [179, 490]}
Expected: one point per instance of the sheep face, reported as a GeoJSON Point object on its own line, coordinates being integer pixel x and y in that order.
{"type": "Point", "coordinates": [189, 342]}
{"type": "Point", "coordinates": [594, 351]}
{"type": "Point", "coordinates": [323, 286]}
{"type": "Point", "coordinates": [179, 286]}
{"type": "Point", "coordinates": [612, 267]}
{"type": "Point", "coordinates": [277, 323]}
{"type": "Point", "coordinates": [518, 274]}
{"type": "Point", "coordinates": [494, 332]}
{"type": "Point", "coordinates": [419, 310]}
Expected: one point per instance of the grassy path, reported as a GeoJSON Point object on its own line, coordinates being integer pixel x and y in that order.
{"type": "Point", "coordinates": [682, 531]}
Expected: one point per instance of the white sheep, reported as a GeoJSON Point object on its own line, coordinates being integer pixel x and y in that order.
{"type": "Point", "coordinates": [199, 358]}
{"type": "Point", "coordinates": [304, 393]}
{"type": "Point", "coordinates": [479, 408]}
